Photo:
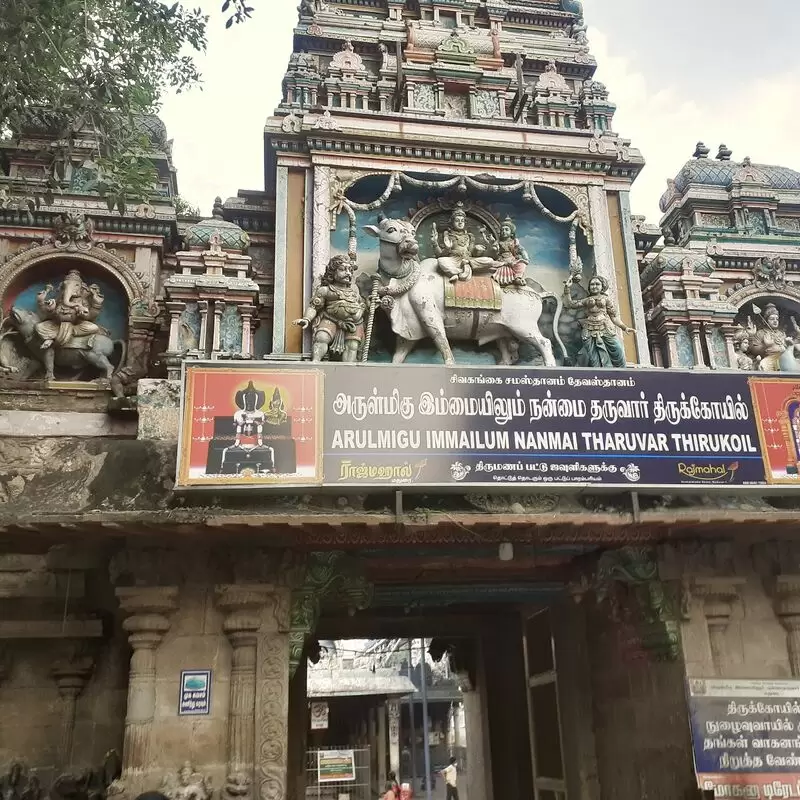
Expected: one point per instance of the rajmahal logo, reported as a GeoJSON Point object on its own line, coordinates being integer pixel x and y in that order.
{"type": "Point", "coordinates": [717, 473]}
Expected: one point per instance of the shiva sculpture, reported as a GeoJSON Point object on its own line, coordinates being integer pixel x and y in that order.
{"type": "Point", "coordinates": [601, 347]}
{"type": "Point", "coordinates": [511, 255]}
{"type": "Point", "coordinates": [458, 256]}
{"type": "Point", "coordinates": [249, 415]}
{"type": "Point", "coordinates": [190, 785]}
{"type": "Point", "coordinates": [337, 310]}
{"type": "Point", "coordinates": [418, 297]}
{"type": "Point", "coordinates": [61, 333]}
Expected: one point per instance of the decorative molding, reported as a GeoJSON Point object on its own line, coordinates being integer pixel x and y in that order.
{"type": "Point", "coordinates": [99, 256]}
{"type": "Point", "coordinates": [273, 713]}
{"type": "Point", "coordinates": [719, 596]}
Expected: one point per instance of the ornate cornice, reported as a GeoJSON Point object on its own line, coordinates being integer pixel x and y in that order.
{"type": "Point", "coordinates": [99, 256]}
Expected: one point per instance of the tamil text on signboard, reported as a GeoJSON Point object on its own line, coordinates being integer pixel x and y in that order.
{"type": "Point", "coordinates": [260, 424]}
{"type": "Point", "coordinates": [195, 693]}
{"type": "Point", "coordinates": [334, 766]}
{"type": "Point", "coordinates": [746, 737]}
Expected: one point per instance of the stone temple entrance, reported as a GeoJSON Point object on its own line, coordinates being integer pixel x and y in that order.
{"type": "Point", "coordinates": [491, 698]}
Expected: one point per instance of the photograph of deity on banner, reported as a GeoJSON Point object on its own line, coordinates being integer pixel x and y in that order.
{"type": "Point", "coordinates": [776, 403]}
{"type": "Point", "coordinates": [251, 428]}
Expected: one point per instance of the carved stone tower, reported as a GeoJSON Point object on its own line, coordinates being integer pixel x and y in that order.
{"type": "Point", "coordinates": [405, 110]}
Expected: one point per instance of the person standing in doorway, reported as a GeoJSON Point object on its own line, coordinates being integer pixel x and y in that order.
{"type": "Point", "coordinates": [450, 775]}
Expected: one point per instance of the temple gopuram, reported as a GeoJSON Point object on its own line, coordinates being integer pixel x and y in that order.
{"type": "Point", "coordinates": [435, 383]}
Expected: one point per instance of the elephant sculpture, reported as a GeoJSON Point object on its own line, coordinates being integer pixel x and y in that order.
{"type": "Point", "coordinates": [415, 292]}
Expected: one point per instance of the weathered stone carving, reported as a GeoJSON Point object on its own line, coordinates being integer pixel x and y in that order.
{"type": "Point", "coordinates": [417, 307]}
{"type": "Point", "coordinates": [337, 313]}
{"type": "Point", "coordinates": [190, 785]}
{"type": "Point", "coordinates": [73, 231]}
{"type": "Point", "coordinates": [62, 333]}
{"type": "Point", "coordinates": [769, 273]}
{"type": "Point", "coordinates": [18, 785]}
{"type": "Point", "coordinates": [601, 345]}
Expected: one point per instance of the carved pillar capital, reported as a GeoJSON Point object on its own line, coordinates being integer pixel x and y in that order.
{"type": "Point", "coordinates": [719, 595]}
{"type": "Point", "coordinates": [786, 594]}
{"type": "Point", "coordinates": [147, 609]}
{"type": "Point", "coordinates": [242, 604]}
{"type": "Point", "coordinates": [71, 675]}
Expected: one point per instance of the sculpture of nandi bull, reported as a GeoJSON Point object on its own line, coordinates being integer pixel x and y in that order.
{"type": "Point", "coordinates": [419, 312]}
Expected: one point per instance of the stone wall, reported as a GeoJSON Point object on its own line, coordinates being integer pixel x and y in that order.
{"type": "Point", "coordinates": [640, 719]}
{"type": "Point", "coordinates": [739, 607]}
{"type": "Point", "coordinates": [32, 708]}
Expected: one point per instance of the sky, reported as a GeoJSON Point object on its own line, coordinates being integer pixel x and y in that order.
{"type": "Point", "coordinates": [680, 72]}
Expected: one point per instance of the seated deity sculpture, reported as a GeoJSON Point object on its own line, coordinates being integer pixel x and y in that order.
{"type": "Point", "coordinates": [250, 416]}
{"type": "Point", "coordinates": [190, 785]}
{"type": "Point", "coordinates": [62, 333]}
{"type": "Point", "coordinates": [510, 254]}
{"type": "Point", "coordinates": [70, 314]}
{"type": "Point", "coordinates": [458, 255]}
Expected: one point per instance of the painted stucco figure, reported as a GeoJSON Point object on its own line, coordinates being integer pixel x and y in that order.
{"type": "Point", "coordinates": [71, 314]}
{"type": "Point", "coordinates": [61, 333]}
{"type": "Point", "coordinates": [741, 346]}
{"type": "Point", "coordinates": [511, 256]}
{"type": "Point", "coordinates": [415, 291]}
{"type": "Point", "coordinates": [458, 255]}
{"type": "Point", "coordinates": [337, 312]}
{"type": "Point", "coordinates": [768, 342]}
{"type": "Point", "coordinates": [601, 347]}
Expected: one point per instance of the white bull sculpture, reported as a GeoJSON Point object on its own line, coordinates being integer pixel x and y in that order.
{"type": "Point", "coordinates": [418, 310]}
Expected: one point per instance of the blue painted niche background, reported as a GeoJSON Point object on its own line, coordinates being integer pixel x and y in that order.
{"type": "Point", "coordinates": [114, 313]}
{"type": "Point", "coordinates": [546, 242]}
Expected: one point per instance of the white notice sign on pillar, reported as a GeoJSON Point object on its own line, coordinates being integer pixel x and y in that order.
{"type": "Point", "coordinates": [319, 716]}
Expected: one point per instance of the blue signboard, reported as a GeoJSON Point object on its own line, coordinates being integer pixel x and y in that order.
{"type": "Point", "coordinates": [195, 694]}
{"type": "Point", "coordinates": [746, 736]}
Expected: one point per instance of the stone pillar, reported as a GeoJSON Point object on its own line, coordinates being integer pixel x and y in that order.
{"type": "Point", "coordinates": [71, 675]}
{"type": "Point", "coordinates": [175, 310]}
{"type": "Point", "coordinates": [247, 333]}
{"type": "Point", "coordinates": [787, 609]}
{"type": "Point", "coordinates": [202, 307]}
{"type": "Point", "coordinates": [281, 213]}
{"type": "Point", "coordinates": [477, 772]}
{"type": "Point", "coordinates": [393, 715]}
{"type": "Point", "coordinates": [243, 606]}
{"type": "Point", "coordinates": [272, 700]}
{"type": "Point", "coordinates": [147, 610]}
{"type": "Point", "coordinates": [697, 347]}
{"type": "Point", "coordinates": [219, 307]}
{"type": "Point", "coordinates": [382, 741]}
{"type": "Point", "coordinates": [672, 349]}
{"type": "Point", "coordinates": [719, 596]}
{"type": "Point", "coordinates": [603, 247]}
